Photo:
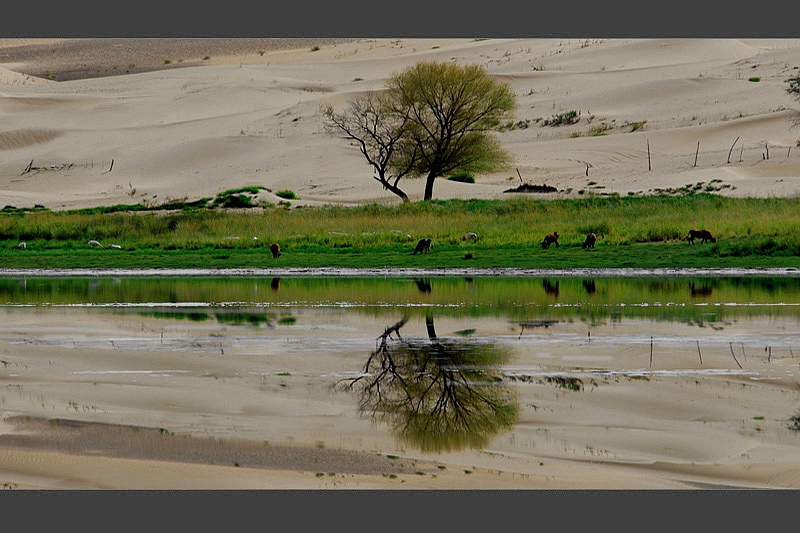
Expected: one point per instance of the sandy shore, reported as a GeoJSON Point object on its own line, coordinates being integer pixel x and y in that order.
{"type": "Point", "coordinates": [124, 121]}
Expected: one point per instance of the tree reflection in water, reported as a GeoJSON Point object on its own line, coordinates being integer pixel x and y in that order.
{"type": "Point", "coordinates": [436, 394]}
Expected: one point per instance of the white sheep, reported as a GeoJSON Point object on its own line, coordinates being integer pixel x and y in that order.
{"type": "Point", "coordinates": [94, 243]}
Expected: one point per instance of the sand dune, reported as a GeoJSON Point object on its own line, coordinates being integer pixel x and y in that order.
{"type": "Point", "coordinates": [253, 119]}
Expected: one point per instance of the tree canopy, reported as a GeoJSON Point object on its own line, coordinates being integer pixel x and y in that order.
{"type": "Point", "coordinates": [433, 119]}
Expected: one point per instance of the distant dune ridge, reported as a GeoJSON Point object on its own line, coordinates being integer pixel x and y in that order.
{"type": "Point", "coordinates": [186, 118]}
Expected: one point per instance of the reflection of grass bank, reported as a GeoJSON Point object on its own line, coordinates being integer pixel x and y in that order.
{"type": "Point", "coordinates": [643, 232]}
{"type": "Point", "coordinates": [700, 301]}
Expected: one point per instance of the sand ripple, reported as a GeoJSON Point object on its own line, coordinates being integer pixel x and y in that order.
{"type": "Point", "coordinates": [22, 138]}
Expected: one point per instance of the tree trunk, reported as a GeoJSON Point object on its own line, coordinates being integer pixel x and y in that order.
{"type": "Point", "coordinates": [429, 186]}
{"type": "Point", "coordinates": [394, 189]}
{"type": "Point", "coordinates": [430, 327]}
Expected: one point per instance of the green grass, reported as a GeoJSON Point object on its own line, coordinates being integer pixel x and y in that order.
{"type": "Point", "coordinates": [641, 232]}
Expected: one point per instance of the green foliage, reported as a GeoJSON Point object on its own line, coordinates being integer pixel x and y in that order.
{"type": "Point", "coordinates": [453, 109]}
{"type": "Point", "coordinates": [568, 117]}
{"type": "Point", "coordinates": [237, 198]}
{"type": "Point", "coordinates": [644, 231]}
{"type": "Point", "coordinates": [754, 79]}
{"type": "Point", "coordinates": [286, 194]}
{"type": "Point", "coordinates": [463, 177]}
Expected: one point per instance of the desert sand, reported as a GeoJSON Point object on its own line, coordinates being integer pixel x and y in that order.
{"type": "Point", "coordinates": [134, 125]}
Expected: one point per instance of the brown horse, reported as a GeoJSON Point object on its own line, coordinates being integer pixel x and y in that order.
{"type": "Point", "coordinates": [550, 238]}
{"type": "Point", "coordinates": [702, 234]}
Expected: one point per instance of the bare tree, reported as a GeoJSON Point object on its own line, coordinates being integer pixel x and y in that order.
{"type": "Point", "coordinates": [377, 127]}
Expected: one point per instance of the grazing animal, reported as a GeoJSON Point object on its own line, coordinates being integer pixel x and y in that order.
{"type": "Point", "coordinates": [550, 238]}
{"type": "Point", "coordinates": [275, 248]}
{"type": "Point", "coordinates": [22, 245]}
{"type": "Point", "coordinates": [471, 236]}
{"type": "Point", "coordinates": [702, 234]}
{"type": "Point", "coordinates": [94, 243]}
{"type": "Point", "coordinates": [590, 241]}
{"type": "Point", "coordinates": [115, 246]}
{"type": "Point", "coordinates": [423, 247]}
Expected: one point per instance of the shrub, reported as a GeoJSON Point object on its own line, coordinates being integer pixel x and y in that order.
{"type": "Point", "coordinates": [463, 177]}
{"type": "Point", "coordinates": [569, 117]}
{"type": "Point", "coordinates": [286, 194]}
{"type": "Point", "coordinates": [754, 79]}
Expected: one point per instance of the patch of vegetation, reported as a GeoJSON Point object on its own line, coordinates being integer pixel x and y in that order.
{"type": "Point", "coordinates": [754, 79]}
{"type": "Point", "coordinates": [794, 85]}
{"type": "Point", "coordinates": [566, 382]}
{"type": "Point", "coordinates": [635, 126]}
{"type": "Point", "coordinates": [515, 125]}
{"type": "Point", "coordinates": [237, 198]}
{"type": "Point", "coordinates": [714, 185]}
{"type": "Point", "coordinates": [561, 119]}
{"type": "Point", "coordinates": [641, 231]}
{"type": "Point", "coordinates": [463, 177]}
{"type": "Point", "coordinates": [286, 194]}
{"type": "Point", "coordinates": [315, 48]}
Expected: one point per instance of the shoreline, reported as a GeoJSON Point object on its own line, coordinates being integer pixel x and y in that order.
{"type": "Point", "coordinates": [400, 272]}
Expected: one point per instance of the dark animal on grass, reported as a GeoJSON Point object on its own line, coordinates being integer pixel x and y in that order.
{"type": "Point", "coordinates": [423, 247]}
{"type": "Point", "coordinates": [590, 241]}
{"type": "Point", "coordinates": [275, 248]}
{"type": "Point", "coordinates": [702, 234]}
{"type": "Point", "coordinates": [550, 238]}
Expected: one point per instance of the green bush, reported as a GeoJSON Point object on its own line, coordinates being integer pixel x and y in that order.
{"type": "Point", "coordinates": [286, 194]}
{"type": "Point", "coordinates": [463, 177]}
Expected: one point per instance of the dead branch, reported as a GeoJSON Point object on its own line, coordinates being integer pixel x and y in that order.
{"type": "Point", "coordinates": [731, 150]}
{"type": "Point", "coordinates": [734, 356]}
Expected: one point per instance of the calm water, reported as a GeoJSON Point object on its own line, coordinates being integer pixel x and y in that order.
{"type": "Point", "coordinates": [437, 362]}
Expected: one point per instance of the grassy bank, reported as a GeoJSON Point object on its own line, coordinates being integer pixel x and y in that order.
{"type": "Point", "coordinates": [641, 232]}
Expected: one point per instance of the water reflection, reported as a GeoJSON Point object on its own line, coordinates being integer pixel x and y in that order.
{"type": "Point", "coordinates": [436, 394]}
{"type": "Point", "coordinates": [592, 300]}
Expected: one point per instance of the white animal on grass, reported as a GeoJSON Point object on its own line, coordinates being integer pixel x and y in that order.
{"type": "Point", "coordinates": [22, 245]}
{"type": "Point", "coordinates": [94, 243]}
{"type": "Point", "coordinates": [470, 236]}
{"type": "Point", "coordinates": [115, 246]}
